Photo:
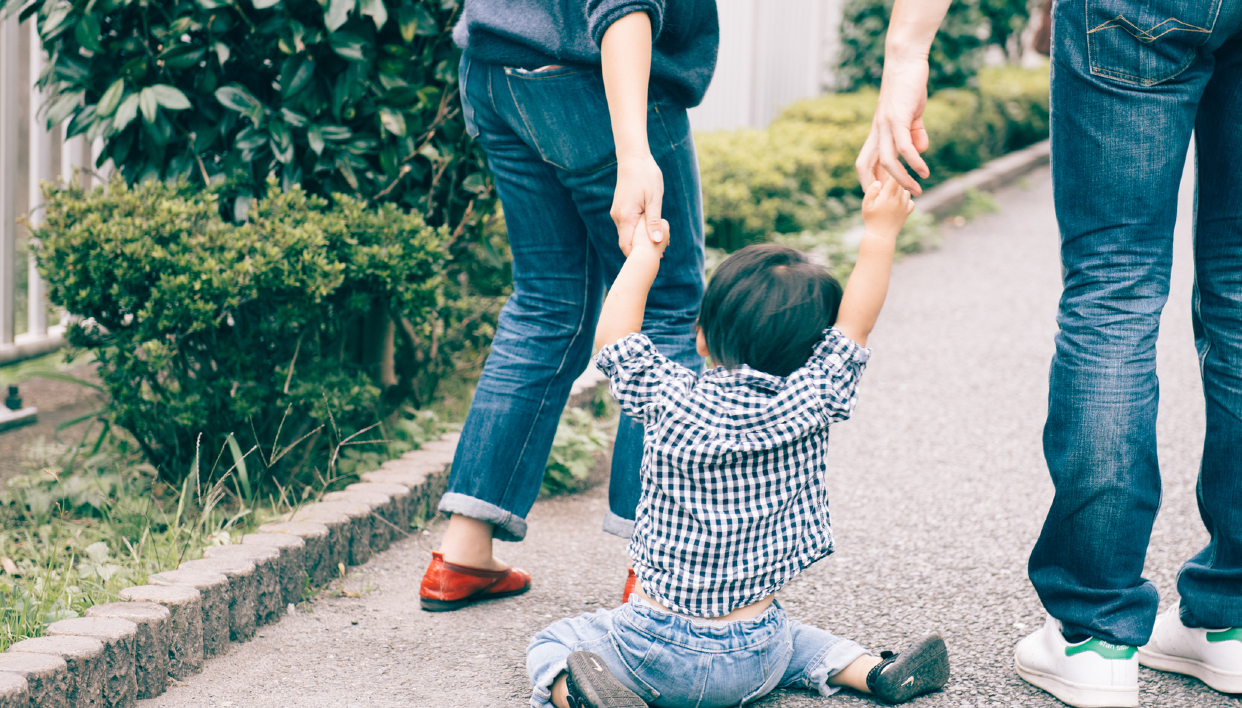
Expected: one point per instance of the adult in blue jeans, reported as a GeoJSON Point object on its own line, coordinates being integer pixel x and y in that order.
{"type": "Point", "coordinates": [581, 108]}
{"type": "Point", "coordinates": [1132, 81]}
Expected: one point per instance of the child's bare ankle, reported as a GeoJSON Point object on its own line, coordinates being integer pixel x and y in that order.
{"type": "Point", "coordinates": [560, 691]}
{"type": "Point", "coordinates": [855, 675]}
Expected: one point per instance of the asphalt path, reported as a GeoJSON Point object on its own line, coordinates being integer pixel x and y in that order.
{"type": "Point", "coordinates": [938, 490]}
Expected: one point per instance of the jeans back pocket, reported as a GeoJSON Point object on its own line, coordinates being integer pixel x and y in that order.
{"type": "Point", "coordinates": [1146, 42]}
{"type": "Point", "coordinates": [565, 113]}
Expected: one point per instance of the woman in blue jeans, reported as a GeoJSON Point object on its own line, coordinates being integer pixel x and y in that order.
{"type": "Point", "coordinates": [581, 108]}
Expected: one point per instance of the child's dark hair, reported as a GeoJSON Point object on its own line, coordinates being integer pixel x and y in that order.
{"type": "Point", "coordinates": [766, 307]}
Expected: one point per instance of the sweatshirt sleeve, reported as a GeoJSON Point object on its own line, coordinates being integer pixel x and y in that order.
{"type": "Point", "coordinates": [602, 13]}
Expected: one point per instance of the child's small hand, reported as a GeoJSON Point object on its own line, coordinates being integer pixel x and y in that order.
{"type": "Point", "coordinates": [643, 243]}
{"type": "Point", "coordinates": [885, 208]}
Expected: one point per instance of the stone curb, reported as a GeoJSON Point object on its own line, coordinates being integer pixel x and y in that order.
{"type": "Point", "coordinates": [126, 650]}
{"type": "Point", "coordinates": [945, 198]}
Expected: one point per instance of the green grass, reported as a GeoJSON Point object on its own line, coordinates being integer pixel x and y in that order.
{"type": "Point", "coordinates": [91, 517]}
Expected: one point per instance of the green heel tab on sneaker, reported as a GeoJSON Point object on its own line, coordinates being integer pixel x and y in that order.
{"type": "Point", "coordinates": [1107, 650]}
{"type": "Point", "coordinates": [1225, 635]}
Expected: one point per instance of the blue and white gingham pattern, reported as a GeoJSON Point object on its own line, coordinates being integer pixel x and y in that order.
{"type": "Point", "coordinates": [734, 503]}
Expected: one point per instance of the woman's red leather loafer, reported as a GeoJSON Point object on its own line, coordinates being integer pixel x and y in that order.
{"type": "Point", "coordinates": [447, 586]}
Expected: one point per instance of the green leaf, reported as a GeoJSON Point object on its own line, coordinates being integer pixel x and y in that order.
{"type": "Point", "coordinates": [126, 112]}
{"type": "Point", "coordinates": [64, 105]}
{"type": "Point", "coordinates": [149, 105]}
{"type": "Point", "coordinates": [407, 18]}
{"type": "Point", "coordinates": [222, 52]}
{"type": "Point", "coordinates": [427, 26]}
{"type": "Point", "coordinates": [87, 33]}
{"type": "Point", "coordinates": [239, 99]}
{"type": "Point", "coordinates": [376, 11]}
{"type": "Point", "coordinates": [300, 80]}
{"type": "Point", "coordinates": [182, 56]}
{"type": "Point", "coordinates": [338, 14]}
{"type": "Point", "coordinates": [315, 137]}
{"type": "Point", "coordinates": [393, 121]}
{"type": "Point", "coordinates": [57, 22]}
{"type": "Point", "coordinates": [348, 45]}
{"type": "Point", "coordinates": [474, 183]}
{"type": "Point", "coordinates": [293, 118]}
{"type": "Point", "coordinates": [170, 98]}
{"type": "Point", "coordinates": [111, 98]}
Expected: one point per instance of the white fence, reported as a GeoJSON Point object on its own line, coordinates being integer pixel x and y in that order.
{"type": "Point", "coordinates": [772, 53]}
{"type": "Point", "coordinates": [29, 154]}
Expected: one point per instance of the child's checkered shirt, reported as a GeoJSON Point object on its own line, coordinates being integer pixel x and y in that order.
{"type": "Point", "coordinates": [733, 503]}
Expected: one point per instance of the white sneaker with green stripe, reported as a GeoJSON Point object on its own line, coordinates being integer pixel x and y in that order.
{"type": "Point", "coordinates": [1089, 674]}
{"type": "Point", "coordinates": [1214, 656]}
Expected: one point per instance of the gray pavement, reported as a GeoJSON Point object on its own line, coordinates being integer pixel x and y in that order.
{"type": "Point", "coordinates": [938, 491]}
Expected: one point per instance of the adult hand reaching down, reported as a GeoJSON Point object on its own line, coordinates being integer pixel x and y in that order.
{"type": "Point", "coordinates": [897, 130]}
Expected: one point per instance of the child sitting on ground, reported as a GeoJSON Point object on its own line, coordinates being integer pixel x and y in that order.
{"type": "Point", "coordinates": [733, 501]}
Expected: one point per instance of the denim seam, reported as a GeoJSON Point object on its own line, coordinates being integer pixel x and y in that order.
{"type": "Point", "coordinates": [543, 401]}
{"type": "Point", "coordinates": [537, 76]}
{"type": "Point", "coordinates": [694, 648]}
{"type": "Point", "coordinates": [633, 673]}
{"type": "Point", "coordinates": [1121, 76]}
{"type": "Point", "coordinates": [668, 134]}
{"type": "Point", "coordinates": [530, 133]}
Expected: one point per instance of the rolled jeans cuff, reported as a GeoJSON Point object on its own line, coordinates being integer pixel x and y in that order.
{"type": "Point", "coordinates": [835, 659]}
{"type": "Point", "coordinates": [616, 525]}
{"type": "Point", "coordinates": [506, 526]}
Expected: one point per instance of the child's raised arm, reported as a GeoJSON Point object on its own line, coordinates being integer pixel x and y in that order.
{"type": "Point", "coordinates": [885, 209]}
{"type": "Point", "coordinates": [622, 313]}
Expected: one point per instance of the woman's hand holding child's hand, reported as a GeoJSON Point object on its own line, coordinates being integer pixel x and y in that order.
{"type": "Point", "coordinates": [643, 242]}
{"type": "Point", "coordinates": [885, 208]}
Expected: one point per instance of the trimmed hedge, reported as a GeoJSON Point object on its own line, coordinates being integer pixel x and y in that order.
{"type": "Point", "coordinates": [798, 174]}
{"type": "Point", "coordinates": [206, 330]}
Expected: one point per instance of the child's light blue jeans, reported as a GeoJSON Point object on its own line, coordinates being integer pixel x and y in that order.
{"type": "Point", "coordinates": [671, 660]}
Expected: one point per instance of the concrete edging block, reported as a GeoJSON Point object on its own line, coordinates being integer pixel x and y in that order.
{"type": "Point", "coordinates": [384, 517]}
{"type": "Point", "coordinates": [47, 677]}
{"type": "Point", "coordinates": [215, 593]}
{"type": "Point", "coordinates": [243, 593]}
{"type": "Point", "coordinates": [317, 555]}
{"type": "Point", "coordinates": [150, 644]}
{"type": "Point", "coordinates": [270, 594]}
{"type": "Point", "coordinates": [291, 563]}
{"type": "Point", "coordinates": [84, 657]}
{"type": "Point", "coordinates": [119, 638]}
{"type": "Point", "coordinates": [14, 691]}
{"type": "Point", "coordinates": [185, 623]}
{"type": "Point", "coordinates": [360, 523]}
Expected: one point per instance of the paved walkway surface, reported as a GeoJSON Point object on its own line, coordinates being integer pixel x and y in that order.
{"type": "Point", "coordinates": [938, 492]}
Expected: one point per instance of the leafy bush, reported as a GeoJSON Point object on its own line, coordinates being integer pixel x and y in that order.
{"type": "Point", "coordinates": [202, 326]}
{"type": "Point", "coordinates": [349, 96]}
{"type": "Point", "coordinates": [955, 57]}
{"type": "Point", "coordinates": [798, 174]}
{"type": "Point", "coordinates": [355, 97]}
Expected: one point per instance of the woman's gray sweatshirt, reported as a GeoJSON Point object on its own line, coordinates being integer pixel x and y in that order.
{"type": "Point", "coordinates": [532, 33]}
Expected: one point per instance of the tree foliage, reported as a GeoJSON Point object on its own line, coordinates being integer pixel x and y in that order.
{"type": "Point", "coordinates": [956, 53]}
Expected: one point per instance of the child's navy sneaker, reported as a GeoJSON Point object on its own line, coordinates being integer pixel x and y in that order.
{"type": "Point", "coordinates": [592, 685]}
{"type": "Point", "coordinates": [922, 668]}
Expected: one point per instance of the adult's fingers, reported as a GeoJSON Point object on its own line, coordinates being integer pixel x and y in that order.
{"type": "Point", "coordinates": [890, 162]}
{"type": "Point", "coordinates": [626, 223]}
{"type": "Point", "coordinates": [905, 146]}
{"type": "Point", "coordinates": [655, 225]}
{"type": "Point", "coordinates": [867, 157]}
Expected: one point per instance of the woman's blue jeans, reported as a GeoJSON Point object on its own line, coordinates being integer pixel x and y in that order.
{"type": "Point", "coordinates": [548, 139]}
{"type": "Point", "coordinates": [1131, 81]}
